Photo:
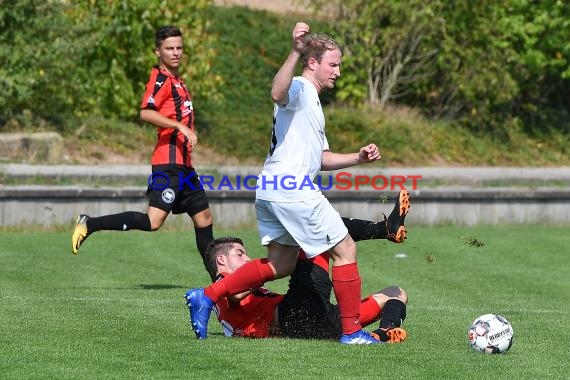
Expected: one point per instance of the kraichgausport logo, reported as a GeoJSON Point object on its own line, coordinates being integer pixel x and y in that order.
{"type": "Point", "coordinates": [341, 181]}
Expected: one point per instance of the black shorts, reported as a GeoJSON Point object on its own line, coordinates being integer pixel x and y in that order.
{"type": "Point", "coordinates": [176, 189]}
{"type": "Point", "coordinates": [306, 311]}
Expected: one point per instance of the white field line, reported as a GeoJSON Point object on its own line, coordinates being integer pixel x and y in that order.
{"type": "Point", "coordinates": [478, 309]}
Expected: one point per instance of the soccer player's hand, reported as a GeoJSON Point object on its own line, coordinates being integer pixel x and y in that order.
{"type": "Point", "coordinates": [299, 31]}
{"type": "Point", "coordinates": [369, 153]}
{"type": "Point", "coordinates": [190, 135]}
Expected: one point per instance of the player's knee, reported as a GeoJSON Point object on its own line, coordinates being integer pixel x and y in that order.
{"type": "Point", "coordinates": [209, 217]}
{"type": "Point", "coordinates": [403, 296]}
{"type": "Point", "coordinates": [282, 268]}
{"type": "Point", "coordinates": [344, 252]}
{"type": "Point", "coordinates": [393, 292]}
{"type": "Point", "coordinates": [283, 258]}
{"type": "Point", "coordinates": [350, 245]}
{"type": "Point", "coordinates": [156, 217]}
{"type": "Point", "coordinates": [203, 219]}
{"type": "Point", "coordinates": [155, 224]}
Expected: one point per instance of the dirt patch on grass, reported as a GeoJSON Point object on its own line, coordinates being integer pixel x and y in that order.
{"type": "Point", "coordinates": [280, 6]}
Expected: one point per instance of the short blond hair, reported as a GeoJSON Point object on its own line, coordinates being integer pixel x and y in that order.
{"type": "Point", "coordinates": [316, 44]}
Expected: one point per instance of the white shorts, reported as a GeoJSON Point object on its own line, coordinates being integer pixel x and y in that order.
{"type": "Point", "coordinates": [314, 225]}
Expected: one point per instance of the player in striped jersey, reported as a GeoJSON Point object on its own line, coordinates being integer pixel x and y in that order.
{"type": "Point", "coordinates": [174, 185]}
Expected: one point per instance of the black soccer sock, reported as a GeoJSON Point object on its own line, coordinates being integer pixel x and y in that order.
{"type": "Point", "coordinates": [365, 229]}
{"type": "Point", "coordinates": [393, 314]}
{"type": "Point", "coordinates": [204, 236]}
{"type": "Point", "coordinates": [124, 221]}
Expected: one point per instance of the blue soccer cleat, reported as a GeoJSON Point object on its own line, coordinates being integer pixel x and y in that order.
{"type": "Point", "coordinates": [359, 337]}
{"type": "Point", "coordinates": [200, 307]}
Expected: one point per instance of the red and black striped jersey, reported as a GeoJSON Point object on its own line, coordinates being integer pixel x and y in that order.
{"type": "Point", "coordinates": [169, 95]}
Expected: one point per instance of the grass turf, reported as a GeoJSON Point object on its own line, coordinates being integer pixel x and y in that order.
{"type": "Point", "coordinates": [116, 310]}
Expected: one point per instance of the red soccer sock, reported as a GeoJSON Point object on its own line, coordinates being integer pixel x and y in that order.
{"type": "Point", "coordinates": [248, 276]}
{"type": "Point", "coordinates": [369, 311]}
{"type": "Point", "coordinates": [347, 288]}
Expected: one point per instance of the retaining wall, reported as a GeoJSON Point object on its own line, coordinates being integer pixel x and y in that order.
{"type": "Point", "coordinates": [47, 205]}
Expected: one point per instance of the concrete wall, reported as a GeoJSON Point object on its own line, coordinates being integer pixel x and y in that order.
{"type": "Point", "coordinates": [48, 205]}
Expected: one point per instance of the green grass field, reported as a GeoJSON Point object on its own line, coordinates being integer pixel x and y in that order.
{"type": "Point", "coordinates": [116, 310]}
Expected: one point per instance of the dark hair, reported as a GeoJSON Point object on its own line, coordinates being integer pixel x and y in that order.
{"type": "Point", "coordinates": [219, 246]}
{"type": "Point", "coordinates": [165, 32]}
{"type": "Point", "coordinates": [316, 45]}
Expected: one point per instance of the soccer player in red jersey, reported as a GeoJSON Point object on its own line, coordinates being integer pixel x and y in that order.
{"type": "Point", "coordinates": [305, 311]}
{"type": "Point", "coordinates": [174, 185]}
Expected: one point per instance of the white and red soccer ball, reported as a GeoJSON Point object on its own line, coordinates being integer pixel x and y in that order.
{"type": "Point", "coordinates": [490, 334]}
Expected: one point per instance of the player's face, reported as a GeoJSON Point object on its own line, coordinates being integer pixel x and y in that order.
{"type": "Point", "coordinates": [170, 53]}
{"type": "Point", "coordinates": [328, 70]}
{"type": "Point", "coordinates": [237, 257]}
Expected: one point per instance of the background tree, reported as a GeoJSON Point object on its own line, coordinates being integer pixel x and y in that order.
{"type": "Point", "coordinates": [383, 46]}
{"type": "Point", "coordinates": [35, 59]}
{"type": "Point", "coordinates": [92, 57]}
{"type": "Point", "coordinates": [539, 33]}
{"type": "Point", "coordinates": [488, 65]}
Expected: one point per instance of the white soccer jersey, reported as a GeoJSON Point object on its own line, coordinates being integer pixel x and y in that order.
{"type": "Point", "coordinates": [297, 143]}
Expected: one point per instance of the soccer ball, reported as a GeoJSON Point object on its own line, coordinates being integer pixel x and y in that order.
{"type": "Point", "coordinates": [491, 334]}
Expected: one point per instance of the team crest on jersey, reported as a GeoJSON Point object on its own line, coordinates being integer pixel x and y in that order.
{"type": "Point", "coordinates": [150, 100]}
{"type": "Point", "coordinates": [168, 195]}
{"type": "Point", "coordinates": [188, 104]}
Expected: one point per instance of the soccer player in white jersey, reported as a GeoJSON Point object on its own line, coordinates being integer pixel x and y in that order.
{"type": "Point", "coordinates": [291, 210]}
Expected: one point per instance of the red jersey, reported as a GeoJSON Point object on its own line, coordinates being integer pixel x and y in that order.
{"type": "Point", "coordinates": [168, 95]}
{"type": "Point", "coordinates": [250, 317]}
